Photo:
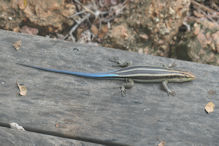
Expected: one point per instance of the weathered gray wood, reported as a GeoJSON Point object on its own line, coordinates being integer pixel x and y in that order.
{"type": "Point", "coordinates": [95, 109]}
{"type": "Point", "coordinates": [12, 137]}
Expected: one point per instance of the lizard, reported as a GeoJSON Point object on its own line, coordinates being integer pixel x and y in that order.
{"type": "Point", "coordinates": [133, 74]}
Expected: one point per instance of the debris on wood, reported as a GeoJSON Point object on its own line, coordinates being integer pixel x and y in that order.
{"type": "Point", "coordinates": [209, 108]}
{"type": "Point", "coordinates": [162, 143]}
{"type": "Point", "coordinates": [212, 92]}
{"type": "Point", "coordinates": [57, 125]}
{"type": "Point", "coordinates": [17, 45]}
{"type": "Point", "coordinates": [23, 89]}
{"type": "Point", "coordinates": [16, 126]}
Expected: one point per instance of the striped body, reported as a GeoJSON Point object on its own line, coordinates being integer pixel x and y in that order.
{"type": "Point", "coordinates": [136, 73]}
{"type": "Point", "coordinates": [154, 74]}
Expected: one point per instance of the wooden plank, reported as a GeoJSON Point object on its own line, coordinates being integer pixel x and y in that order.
{"type": "Point", "coordinates": [12, 137]}
{"type": "Point", "coordinates": [95, 109]}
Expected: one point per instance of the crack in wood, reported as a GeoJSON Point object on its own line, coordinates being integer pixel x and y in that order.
{"type": "Point", "coordinates": [52, 133]}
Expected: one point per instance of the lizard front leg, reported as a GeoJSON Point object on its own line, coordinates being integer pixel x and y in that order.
{"type": "Point", "coordinates": [167, 89]}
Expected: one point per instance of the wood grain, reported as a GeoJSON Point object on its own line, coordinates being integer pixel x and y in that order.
{"type": "Point", "coordinates": [11, 137]}
{"type": "Point", "coordinates": [94, 109]}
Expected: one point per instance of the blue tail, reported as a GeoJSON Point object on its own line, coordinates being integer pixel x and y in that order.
{"type": "Point", "coordinates": [82, 74]}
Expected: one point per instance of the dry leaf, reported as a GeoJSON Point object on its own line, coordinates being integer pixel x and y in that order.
{"type": "Point", "coordinates": [23, 89]}
{"type": "Point", "coordinates": [94, 30]}
{"type": "Point", "coordinates": [104, 28]}
{"type": "Point", "coordinates": [143, 36]}
{"type": "Point", "coordinates": [209, 107]}
{"type": "Point", "coordinates": [57, 125]}
{"type": "Point", "coordinates": [196, 28]}
{"type": "Point", "coordinates": [17, 45]}
{"type": "Point", "coordinates": [162, 143]}
{"type": "Point", "coordinates": [16, 29]}
{"type": "Point", "coordinates": [22, 4]}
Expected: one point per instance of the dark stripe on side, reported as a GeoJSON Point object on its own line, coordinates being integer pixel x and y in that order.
{"type": "Point", "coordinates": [154, 78]}
{"type": "Point", "coordinates": [148, 73]}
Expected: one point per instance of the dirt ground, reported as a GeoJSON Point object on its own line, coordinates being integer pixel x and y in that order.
{"type": "Point", "coordinates": [183, 29]}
